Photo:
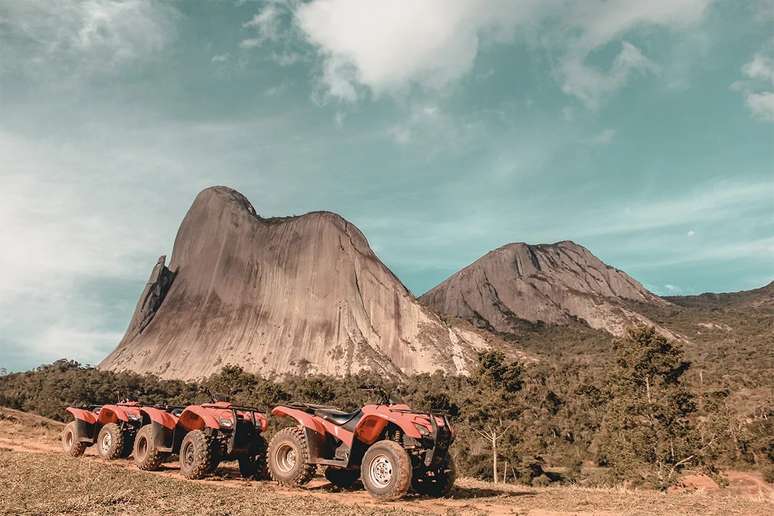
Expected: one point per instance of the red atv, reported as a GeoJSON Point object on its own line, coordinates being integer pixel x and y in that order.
{"type": "Point", "coordinates": [202, 435]}
{"type": "Point", "coordinates": [389, 446]}
{"type": "Point", "coordinates": [111, 427]}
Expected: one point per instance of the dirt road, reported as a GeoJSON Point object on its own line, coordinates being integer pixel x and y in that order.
{"type": "Point", "coordinates": [32, 462]}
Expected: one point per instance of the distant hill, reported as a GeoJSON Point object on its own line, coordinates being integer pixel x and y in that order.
{"type": "Point", "coordinates": [554, 284]}
{"type": "Point", "coordinates": [729, 336]}
{"type": "Point", "coordinates": [758, 298]}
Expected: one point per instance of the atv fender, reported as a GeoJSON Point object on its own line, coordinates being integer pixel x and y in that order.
{"type": "Point", "coordinates": [115, 414]}
{"type": "Point", "coordinates": [197, 418]}
{"type": "Point", "coordinates": [87, 416]}
{"type": "Point", "coordinates": [304, 419]}
{"type": "Point", "coordinates": [163, 418]}
{"type": "Point", "coordinates": [163, 424]}
{"type": "Point", "coordinates": [85, 424]}
{"type": "Point", "coordinates": [370, 427]}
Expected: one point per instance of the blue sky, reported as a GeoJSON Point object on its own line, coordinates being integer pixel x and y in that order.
{"type": "Point", "coordinates": [442, 128]}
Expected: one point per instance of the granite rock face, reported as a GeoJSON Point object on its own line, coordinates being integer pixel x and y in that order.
{"type": "Point", "coordinates": [301, 294]}
{"type": "Point", "coordinates": [549, 283]}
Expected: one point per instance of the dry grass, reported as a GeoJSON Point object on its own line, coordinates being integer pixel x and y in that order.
{"type": "Point", "coordinates": [585, 500]}
{"type": "Point", "coordinates": [35, 478]}
{"type": "Point", "coordinates": [51, 483]}
{"type": "Point", "coordinates": [56, 484]}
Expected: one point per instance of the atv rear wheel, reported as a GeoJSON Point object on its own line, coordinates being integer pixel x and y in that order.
{"type": "Point", "coordinates": [197, 456]}
{"type": "Point", "coordinates": [111, 443]}
{"type": "Point", "coordinates": [438, 482]}
{"type": "Point", "coordinates": [255, 466]}
{"type": "Point", "coordinates": [146, 455]}
{"type": "Point", "coordinates": [70, 443]}
{"type": "Point", "coordinates": [386, 470]}
{"type": "Point", "coordinates": [289, 457]}
{"type": "Point", "coordinates": [342, 478]}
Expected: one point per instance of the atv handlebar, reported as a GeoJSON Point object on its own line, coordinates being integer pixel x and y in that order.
{"type": "Point", "coordinates": [384, 397]}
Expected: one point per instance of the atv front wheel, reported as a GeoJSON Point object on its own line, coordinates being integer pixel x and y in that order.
{"type": "Point", "coordinates": [111, 443]}
{"type": "Point", "coordinates": [386, 470]}
{"type": "Point", "coordinates": [342, 478]}
{"type": "Point", "coordinates": [146, 455]}
{"type": "Point", "coordinates": [70, 443]}
{"type": "Point", "coordinates": [289, 457]}
{"type": "Point", "coordinates": [438, 482]}
{"type": "Point", "coordinates": [197, 456]}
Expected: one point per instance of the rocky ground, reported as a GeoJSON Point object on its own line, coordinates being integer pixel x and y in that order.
{"type": "Point", "coordinates": [36, 478]}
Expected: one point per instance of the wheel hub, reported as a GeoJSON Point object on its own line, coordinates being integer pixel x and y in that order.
{"type": "Point", "coordinates": [381, 471]}
{"type": "Point", "coordinates": [286, 458]}
{"type": "Point", "coordinates": [107, 440]}
{"type": "Point", "coordinates": [189, 455]}
{"type": "Point", "coordinates": [142, 447]}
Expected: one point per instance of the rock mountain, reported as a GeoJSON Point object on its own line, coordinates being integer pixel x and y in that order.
{"type": "Point", "coordinates": [301, 294]}
{"type": "Point", "coordinates": [549, 283]}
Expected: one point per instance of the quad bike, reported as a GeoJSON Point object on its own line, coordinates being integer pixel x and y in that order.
{"type": "Point", "coordinates": [111, 427]}
{"type": "Point", "coordinates": [391, 447]}
{"type": "Point", "coordinates": [202, 435]}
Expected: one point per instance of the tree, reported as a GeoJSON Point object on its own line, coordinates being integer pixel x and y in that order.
{"type": "Point", "coordinates": [647, 433]}
{"type": "Point", "coordinates": [493, 407]}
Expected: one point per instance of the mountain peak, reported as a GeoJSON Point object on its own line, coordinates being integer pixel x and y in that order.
{"type": "Point", "coordinates": [549, 283]}
{"type": "Point", "coordinates": [300, 294]}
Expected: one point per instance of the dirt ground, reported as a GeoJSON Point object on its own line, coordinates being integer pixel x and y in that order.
{"type": "Point", "coordinates": [37, 478]}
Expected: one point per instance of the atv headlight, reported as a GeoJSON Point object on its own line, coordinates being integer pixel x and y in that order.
{"type": "Point", "coordinates": [227, 423]}
{"type": "Point", "coordinates": [133, 417]}
{"type": "Point", "coordinates": [422, 429]}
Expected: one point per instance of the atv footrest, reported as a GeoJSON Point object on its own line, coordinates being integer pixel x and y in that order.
{"type": "Point", "coordinates": [331, 462]}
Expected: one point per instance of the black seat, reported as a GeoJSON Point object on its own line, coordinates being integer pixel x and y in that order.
{"type": "Point", "coordinates": [337, 417]}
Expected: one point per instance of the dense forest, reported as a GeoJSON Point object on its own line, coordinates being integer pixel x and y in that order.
{"type": "Point", "coordinates": [637, 416]}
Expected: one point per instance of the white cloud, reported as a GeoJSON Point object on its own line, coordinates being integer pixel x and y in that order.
{"type": "Point", "coordinates": [599, 23]}
{"type": "Point", "coordinates": [761, 105]}
{"type": "Point", "coordinates": [765, 10]}
{"type": "Point", "coordinates": [714, 202]}
{"type": "Point", "coordinates": [761, 67]}
{"type": "Point", "coordinates": [758, 87]}
{"type": "Point", "coordinates": [220, 58]}
{"type": "Point", "coordinates": [271, 28]}
{"type": "Point", "coordinates": [388, 47]}
{"type": "Point", "coordinates": [603, 138]}
{"type": "Point", "coordinates": [434, 129]}
{"type": "Point", "coordinates": [691, 233]}
{"type": "Point", "coordinates": [591, 85]}
{"type": "Point", "coordinates": [63, 341]}
{"type": "Point", "coordinates": [93, 35]}
{"type": "Point", "coordinates": [250, 43]}
{"type": "Point", "coordinates": [266, 23]}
